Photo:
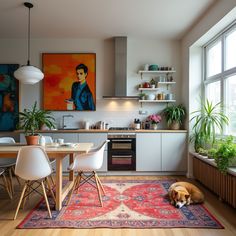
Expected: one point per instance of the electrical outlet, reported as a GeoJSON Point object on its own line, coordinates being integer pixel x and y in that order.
{"type": "Point", "coordinates": [143, 112]}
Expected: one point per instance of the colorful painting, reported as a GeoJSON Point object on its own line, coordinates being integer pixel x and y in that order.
{"type": "Point", "coordinates": [9, 97]}
{"type": "Point", "coordinates": [69, 81]}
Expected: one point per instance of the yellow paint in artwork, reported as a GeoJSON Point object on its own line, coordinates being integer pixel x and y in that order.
{"type": "Point", "coordinates": [66, 83]}
{"type": "Point", "coordinates": [53, 69]}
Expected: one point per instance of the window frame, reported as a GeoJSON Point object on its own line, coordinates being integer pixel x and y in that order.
{"type": "Point", "coordinates": [224, 74]}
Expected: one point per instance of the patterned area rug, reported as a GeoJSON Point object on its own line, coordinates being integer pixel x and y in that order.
{"type": "Point", "coordinates": [127, 204]}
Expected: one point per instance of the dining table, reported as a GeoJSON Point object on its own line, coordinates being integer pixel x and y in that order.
{"type": "Point", "coordinates": [58, 152]}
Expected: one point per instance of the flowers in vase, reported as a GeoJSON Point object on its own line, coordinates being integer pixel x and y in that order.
{"type": "Point", "coordinates": [154, 119]}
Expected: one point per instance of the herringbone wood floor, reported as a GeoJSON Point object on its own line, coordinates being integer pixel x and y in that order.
{"type": "Point", "coordinates": [224, 213]}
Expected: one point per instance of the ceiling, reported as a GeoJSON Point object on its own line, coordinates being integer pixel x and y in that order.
{"type": "Point", "coordinates": [167, 19]}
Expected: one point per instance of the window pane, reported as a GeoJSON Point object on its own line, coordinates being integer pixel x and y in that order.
{"type": "Point", "coordinates": [231, 104]}
{"type": "Point", "coordinates": [214, 59]}
{"type": "Point", "coordinates": [230, 50]}
{"type": "Point", "coordinates": [213, 92]}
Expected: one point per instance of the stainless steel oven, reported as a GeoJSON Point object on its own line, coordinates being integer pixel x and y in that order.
{"type": "Point", "coordinates": [122, 151]}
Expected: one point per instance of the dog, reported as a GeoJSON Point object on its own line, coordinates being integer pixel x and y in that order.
{"type": "Point", "coordinates": [184, 193]}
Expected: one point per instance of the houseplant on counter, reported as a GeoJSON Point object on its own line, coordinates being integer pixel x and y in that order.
{"type": "Point", "coordinates": [31, 120]}
{"type": "Point", "coordinates": [154, 120]}
{"type": "Point", "coordinates": [174, 115]}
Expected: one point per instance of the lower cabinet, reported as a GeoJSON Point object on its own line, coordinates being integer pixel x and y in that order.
{"type": "Point", "coordinates": [161, 152]}
{"type": "Point", "coordinates": [97, 139]}
{"type": "Point", "coordinates": [173, 152]}
{"type": "Point", "coordinates": [148, 152]}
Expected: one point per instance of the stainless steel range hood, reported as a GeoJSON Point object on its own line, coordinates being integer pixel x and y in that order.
{"type": "Point", "coordinates": [120, 70]}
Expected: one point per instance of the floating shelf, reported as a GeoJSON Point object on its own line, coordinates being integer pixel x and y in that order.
{"type": "Point", "coordinates": [157, 101]}
{"type": "Point", "coordinates": [156, 71]}
{"type": "Point", "coordinates": [148, 89]}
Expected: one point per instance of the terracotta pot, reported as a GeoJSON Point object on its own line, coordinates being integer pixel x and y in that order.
{"type": "Point", "coordinates": [32, 140]}
{"type": "Point", "coordinates": [175, 125]}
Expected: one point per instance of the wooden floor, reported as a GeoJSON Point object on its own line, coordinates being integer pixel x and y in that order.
{"type": "Point", "coordinates": [223, 212]}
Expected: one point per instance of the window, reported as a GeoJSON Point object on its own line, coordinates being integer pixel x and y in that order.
{"type": "Point", "coordinates": [220, 74]}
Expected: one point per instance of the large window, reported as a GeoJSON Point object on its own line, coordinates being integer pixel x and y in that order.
{"type": "Point", "coordinates": [220, 74]}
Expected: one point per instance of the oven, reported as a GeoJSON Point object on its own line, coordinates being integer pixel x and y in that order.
{"type": "Point", "coordinates": [122, 151]}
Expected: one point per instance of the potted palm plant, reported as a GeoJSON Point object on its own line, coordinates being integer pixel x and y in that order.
{"type": "Point", "coordinates": [31, 120]}
{"type": "Point", "coordinates": [174, 115]}
{"type": "Point", "coordinates": [208, 120]}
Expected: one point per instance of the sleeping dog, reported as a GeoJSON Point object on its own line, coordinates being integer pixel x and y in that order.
{"type": "Point", "coordinates": [184, 193]}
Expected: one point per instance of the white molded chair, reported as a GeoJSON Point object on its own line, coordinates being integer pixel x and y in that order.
{"type": "Point", "coordinates": [88, 162]}
{"type": "Point", "coordinates": [8, 164]}
{"type": "Point", "coordinates": [5, 182]}
{"type": "Point", "coordinates": [33, 165]}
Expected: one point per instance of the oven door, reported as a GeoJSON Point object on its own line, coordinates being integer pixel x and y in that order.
{"type": "Point", "coordinates": [121, 154]}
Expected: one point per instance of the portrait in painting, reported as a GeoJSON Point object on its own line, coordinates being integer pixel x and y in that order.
{"type": "Point", "coordinates": [69, 81]}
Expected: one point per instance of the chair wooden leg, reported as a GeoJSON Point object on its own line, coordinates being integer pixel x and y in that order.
{"type": "Point", "coordinates": [21, 197]}
{"type": "Point", "coordinates": [77, 180]}
{"type": "Point", "coordinates": [6, 185]}
{"type": "Point", "coordinates": [100, 184]}
{"type": "Point", "coordinates": [26, 192]}
{"type": "Point", "coordinates": [46, 200]}
{"type": "Point", "coordinates": [50, 189]}
{"type": "Point", "coordinates": [98, 189]}
{"type": "Point", "coordinates": [52, 180]}
{"type": "Point", "coordinates": [10, 180]}
{"type": "Point", "coordinates": [17, 178]}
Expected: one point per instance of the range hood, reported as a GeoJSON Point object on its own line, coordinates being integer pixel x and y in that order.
{"type": "Point", "coordinates": [120, 70]}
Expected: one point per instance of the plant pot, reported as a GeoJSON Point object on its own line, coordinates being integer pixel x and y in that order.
{"type": "Point", "coordinates": [32, 139]}
{"type": "Point", "coordinates": [174, 125]}
{"type": "Point", "coordinates": [154, 126]}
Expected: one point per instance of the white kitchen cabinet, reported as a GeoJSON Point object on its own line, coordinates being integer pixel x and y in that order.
{"type": "Point", "coordinates": [97, 139]}
{"type": "Point", "coordinates": [148, 152]}
{"type": "Point", "coordinates": [173, 154]}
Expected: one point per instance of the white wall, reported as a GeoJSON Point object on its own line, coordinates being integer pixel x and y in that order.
{"type": "Point", "coordinates": [219, 16]}
{"type": "Point", "coordinates": [116, 113]}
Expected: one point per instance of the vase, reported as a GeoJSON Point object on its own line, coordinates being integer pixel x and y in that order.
{"type": "Point", "coordinates": [154, 126]}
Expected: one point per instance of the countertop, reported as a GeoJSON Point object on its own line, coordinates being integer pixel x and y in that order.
{"type": "Point", "coordinates": [106, 131]}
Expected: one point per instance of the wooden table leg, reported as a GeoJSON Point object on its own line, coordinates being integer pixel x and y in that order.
{"type": "Point", "coordinates": [71, 174]}
{"type": "Point", "coordinates": [58, 183]}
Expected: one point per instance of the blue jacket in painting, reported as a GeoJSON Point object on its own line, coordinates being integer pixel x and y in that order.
{"type": "Point", "coordinates": [82, 97]}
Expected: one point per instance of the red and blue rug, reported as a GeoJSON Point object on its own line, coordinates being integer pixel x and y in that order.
{"type": "Point", "coordinates": [127, 204]}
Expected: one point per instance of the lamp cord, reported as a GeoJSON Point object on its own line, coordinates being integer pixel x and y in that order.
{"type": "Point", "coordinates": [28, 61]}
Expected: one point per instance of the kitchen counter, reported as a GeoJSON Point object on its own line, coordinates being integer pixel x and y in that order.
{"type": "Point", "coordinates": [106, 131]}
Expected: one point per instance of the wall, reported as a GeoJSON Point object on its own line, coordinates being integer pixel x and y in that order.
{"type": "Point", "coordinates": [116, 113]}
{"type": "Point", "coordinates": [216, 19]}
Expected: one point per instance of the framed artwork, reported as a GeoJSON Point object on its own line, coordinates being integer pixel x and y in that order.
{"type": "Point", "coordinates": [69, 81]}
{"type": "Point", "coordinates": [9, 97]}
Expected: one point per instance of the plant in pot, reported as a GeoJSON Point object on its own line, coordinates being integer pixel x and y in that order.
{"type": "Point", "coordinates": [174, 115]}
{"type": "Point", "coordinates": [142, 96]}
{"type": "Point", "coordinates": [225, 154]}
{"type": "Point", "coordinates": [31, 120]}
{"type": "Point", "coordinates": [208, 121]}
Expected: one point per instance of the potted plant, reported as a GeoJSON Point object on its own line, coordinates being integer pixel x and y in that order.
{"type": "Point", "coordinates": [208, 120]}
{"type": "Point", "coordinates": [142, 96]}
{"type": "Point", "coordinates": [154, 120]}
{"type": "Point", "coordinates": [174, 115]}
{"type": "Point", "coordinates": [225, 154]}
{"type": "Point", "coordinates": [31, 120]}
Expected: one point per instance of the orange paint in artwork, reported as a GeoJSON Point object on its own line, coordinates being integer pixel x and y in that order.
{"type": "Point", "coordinates": [59, 75]}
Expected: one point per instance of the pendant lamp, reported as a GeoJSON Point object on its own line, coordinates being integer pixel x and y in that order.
{"type": "Point", "coordinates": [28, 74]}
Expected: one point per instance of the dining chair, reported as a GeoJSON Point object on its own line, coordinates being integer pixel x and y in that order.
{"type": "Point", "coordinates": [88, 163]}
{"type": "Point", "coordinates": [5, 182]}
{"type": "Point", "coordinates": [33, 166]}
{"type": "Point", "coordinates": [8, 164]}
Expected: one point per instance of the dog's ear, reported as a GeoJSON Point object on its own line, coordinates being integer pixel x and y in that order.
{"type": "Point", "coordinates": [174, 193]}
{"type": "Point", "coordinates": [187, 196]}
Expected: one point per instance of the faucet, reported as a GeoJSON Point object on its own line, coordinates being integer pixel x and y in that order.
{"type": "Point", "coordinates": [63, 120]}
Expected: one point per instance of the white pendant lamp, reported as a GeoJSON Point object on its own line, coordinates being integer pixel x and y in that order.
{"type": "Point", "coordinates": [28, 74]}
